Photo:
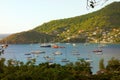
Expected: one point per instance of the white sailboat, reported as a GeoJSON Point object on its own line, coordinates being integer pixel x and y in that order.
{"type": "Point", "coordinates": [65, 59]}
{"type": "Point", "coordinates": [75, 50]}
{"type": "Point", "coordinates": [37, 52]}
{"type": "Point", "coordinates": [57, 53]}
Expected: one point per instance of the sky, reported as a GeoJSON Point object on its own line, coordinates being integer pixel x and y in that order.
{"type": "Point", "coordinates": [22, 15]}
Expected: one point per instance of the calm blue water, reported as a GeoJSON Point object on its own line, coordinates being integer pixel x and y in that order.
{"type": "Point", "coordinates": [17, 52]}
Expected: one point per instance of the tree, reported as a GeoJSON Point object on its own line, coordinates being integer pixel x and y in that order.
{"type": "Point", "coordinates": [2, 60]}
{"type": "Point", "coordinates": [101, 64]}
{"type": "Point", "coordinates": [113, 65]}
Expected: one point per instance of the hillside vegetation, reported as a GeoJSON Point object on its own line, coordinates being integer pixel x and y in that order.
{"type": "Point", "coordinates": [81, 70]}
{"type": "Point", "coordinates": [100, 26]}
{"type": "Point", "coordinates": [27, 37]}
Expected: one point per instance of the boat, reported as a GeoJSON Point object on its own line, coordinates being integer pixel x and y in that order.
{"type": "Point", "coordinates": [48, 58]}
{"type": "Point", "coordinates": [65, 60]}
{"type": "Point", "coordinates": [30, 58]}
{"type": "Point", "coordinates": [96, 51]}
{"type": "Point", "coordinates": [1, 51]}
{"type": "Point", "coordinates": [56, 46]}
{"type": "Point", "coordinates": [27, 53]}
{"type": "Point", "coordinates": [37, 52]}
{"type": "Point", "coordinates": [85, 59]}
{"type": "Point", "coordinates": [57, 53]}
{"type": "Point", "coordinates": [74, 44]}
{"type": "Point", "coordinates": [4, 45]}
{"type": "Point", "coordinates": [50, 63]}
{"type": "Point", "coordinates": [88, 60]}
{"type": "Point", "coordinates": [75, 52]}
{"type": "Point", "coordinates": [78, 58]}
{"type": "Point", "coordinates": [45, 45]}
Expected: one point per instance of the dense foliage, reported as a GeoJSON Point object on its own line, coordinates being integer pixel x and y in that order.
{"type": "Point", "coordinates": [16, 70]}
{"type": "Point", "coordinates": [102, 25]}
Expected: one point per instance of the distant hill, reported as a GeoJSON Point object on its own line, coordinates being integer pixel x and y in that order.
{"type": "Point", "coordinates": [28, 37]}
{"type": "Point", "coordinates": [100, 26]}
{"type": "Point", "coordinates": [3, 36]}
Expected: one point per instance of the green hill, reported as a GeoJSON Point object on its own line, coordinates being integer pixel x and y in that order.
{"type": "Point", "coordinates": [100, 26]}
{"type": "Point", "coordinates": [27, 37]}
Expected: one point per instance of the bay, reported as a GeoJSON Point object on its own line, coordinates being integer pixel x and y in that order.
{"type": "Point", "coordinates": [18, 51]}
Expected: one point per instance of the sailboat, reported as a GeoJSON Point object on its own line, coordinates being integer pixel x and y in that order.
{"type": "Point", "coordinates": [98, 51]}
{"type": "Point", "coordinates": [49, 59]}
{"type": "Point", "coordinates": [37, 52]}
{"type": "Point", "coordinates": [27, 53]}
{"type": "Point", "coordinates": [45, 44]}
{"type": "Point", "coordinates": [65, 59]}
{"type": "Point", "coordinates": [75, 50]}
{"type": "Point", "coordinates": [57, 53]}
